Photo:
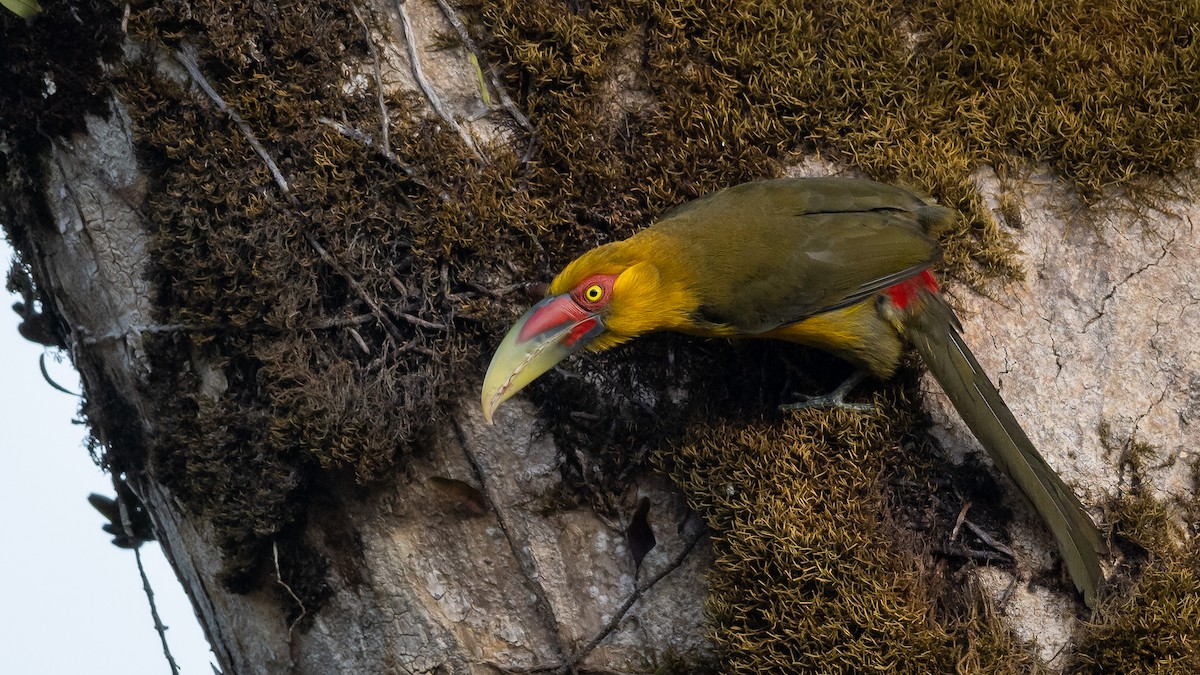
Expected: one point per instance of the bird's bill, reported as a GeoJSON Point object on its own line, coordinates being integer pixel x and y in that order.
{"type": "Point", "coordinates": [548, 333]}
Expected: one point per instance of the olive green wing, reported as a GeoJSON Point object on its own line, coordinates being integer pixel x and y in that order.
{"type": "Point", "coordinates": [771, 253]}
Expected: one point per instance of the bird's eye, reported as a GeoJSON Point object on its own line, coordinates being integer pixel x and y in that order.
{"type": "Point", "coordinates": [593, 293]}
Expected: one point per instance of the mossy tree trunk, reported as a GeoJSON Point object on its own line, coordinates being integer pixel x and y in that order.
{"type": "Point", "coordinates": [279, 241]}
{"type": "Point", "coordinates": [403, 535]}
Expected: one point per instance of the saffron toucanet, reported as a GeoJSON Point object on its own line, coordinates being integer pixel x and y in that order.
{"type": "Point", "coordinates": [835, 263]}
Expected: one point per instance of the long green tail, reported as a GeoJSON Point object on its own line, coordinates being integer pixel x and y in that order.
{"type": "Point", "coordinates": [933, 330]}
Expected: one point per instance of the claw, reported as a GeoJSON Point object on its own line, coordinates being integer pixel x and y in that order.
{"type": "Point", "coordinates": [835, 398]}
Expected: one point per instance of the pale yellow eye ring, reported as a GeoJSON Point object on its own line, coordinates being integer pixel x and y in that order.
{"type": "Point", "coordinates": [593, 293]}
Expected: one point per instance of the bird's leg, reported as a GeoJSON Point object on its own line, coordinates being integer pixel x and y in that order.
{"type": "Point", "coordinates": [835, 398]}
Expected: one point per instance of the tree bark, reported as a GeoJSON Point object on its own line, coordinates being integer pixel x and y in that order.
{"type": "Point", "coordinates": [425, 583]}
{"type": "Point", "coordinates": [420, 580]}
{"type": "Point", "coordinates": [451, 562]}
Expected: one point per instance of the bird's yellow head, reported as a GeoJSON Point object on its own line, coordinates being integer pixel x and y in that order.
{"type": "Point", "coordinates": [606, 296]}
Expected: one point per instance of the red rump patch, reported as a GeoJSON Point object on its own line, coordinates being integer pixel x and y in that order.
{"type": "Point", "coordinates": [905, 293]}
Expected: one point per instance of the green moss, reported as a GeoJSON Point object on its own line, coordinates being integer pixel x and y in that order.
{"type": "Point", "coordinates": [1154, 627]}
{"type": "Point", "coordinates": [1101, 91]}
{"type": "Point", "coordinates": [811, 572]}
{"type": "Point", "coordinates": [1150, 622]}
{"type": "Point", "coordinates": [919, 92]}
{"type": "Point", "coordinates": [922, 92]}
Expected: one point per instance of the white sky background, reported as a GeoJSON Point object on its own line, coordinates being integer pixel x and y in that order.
{"type": "Point", "coordinates": [70, 601]}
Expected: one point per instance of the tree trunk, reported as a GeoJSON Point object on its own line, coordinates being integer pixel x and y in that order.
{"type": "Point", "coordinates": [282, 353]}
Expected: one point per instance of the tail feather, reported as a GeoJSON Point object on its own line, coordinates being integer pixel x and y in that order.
{"type": "Point", "coordinates": [933, 330]}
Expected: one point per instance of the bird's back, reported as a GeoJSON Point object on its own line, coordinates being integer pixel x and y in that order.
{"type": "Point", "coordinates": [772, 253]}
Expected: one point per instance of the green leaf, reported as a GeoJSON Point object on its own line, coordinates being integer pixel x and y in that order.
{"type": "Point", "coordinates": [479, 78]}
{"type": "Point", "coordinates": [22, 8]}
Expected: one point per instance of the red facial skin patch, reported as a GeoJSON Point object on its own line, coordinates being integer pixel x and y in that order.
{"type": "Point", "coordinates": [556, 311]}
{"type": "Point", "coordinates": [573, 308]}
{"type": "Point", "coordinates": [604, 281]}
{"type": "Point", "coordinates": [905, 293]}
{"type": "Point", "coordinates": [582, 328]}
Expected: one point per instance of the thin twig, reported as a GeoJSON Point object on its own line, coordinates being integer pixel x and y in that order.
{"type": "Point", "coordinates": [988, 539]}
{"type": "Point", "coordinates": [342, 322]}
{"type": "Point", "coordinates": [984, 557]}
{"type": "Point", "coordinates": [1008, 592]}
{"type": "Point", "coordinates": [414, 60]}
{"type": "Point", "coordinates": [279, 578]}
{"type": "Point", "coordinates": [384, 122]}
{"type": "Point", "coordinates": [188, 60]}
{"type": "Point", "coordinates": [418, 321]}
{"type": "Point", "coordinates": [355, 285]}
{"type": "Point", "coordinates": [367, 140]}
{"type": "Point", "coordinates": [497, 292]}
{"type": "Point", "coordinates": [962, 515]}
{"type": "Point", "coordinates": [336, 322]}
{"type": "Point", "coordinates": [127, 526]}
{"type": "Point", "coordinates": [638, 592]}
{"type": "Point", "coordinates": [156, 328]}
{"type": "Point", "coordinates": [362, 344]}
{"type": "Point", "coordinates": [158, 624]}
{"type": "Point", "coordinates": [465, 36]}
{"type": "Point", "coordinates": [634, 597]}
{"type": "Point", "coordinates": [412, 346]}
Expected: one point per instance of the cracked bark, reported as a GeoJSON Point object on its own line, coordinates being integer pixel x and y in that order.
{"type": "Point", "coordinates": [528, 567]}
{"type": "Point", "coordinates": [1092, 352]}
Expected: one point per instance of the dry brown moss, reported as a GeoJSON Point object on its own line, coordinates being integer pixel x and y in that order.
{"type": "Point", "coordinates": [316, 382]}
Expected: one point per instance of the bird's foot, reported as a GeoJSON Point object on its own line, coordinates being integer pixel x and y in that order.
{"type": "Point", "coordinates": [835, 398]}
{"type": "Point", "coordinates": [827, 401]}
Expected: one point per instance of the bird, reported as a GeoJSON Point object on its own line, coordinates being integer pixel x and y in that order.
{"type": "Point", "coordinates": [836, 263]}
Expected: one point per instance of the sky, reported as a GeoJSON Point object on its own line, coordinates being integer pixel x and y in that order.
{"type": "Point", "coordinates": [70, 601]}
